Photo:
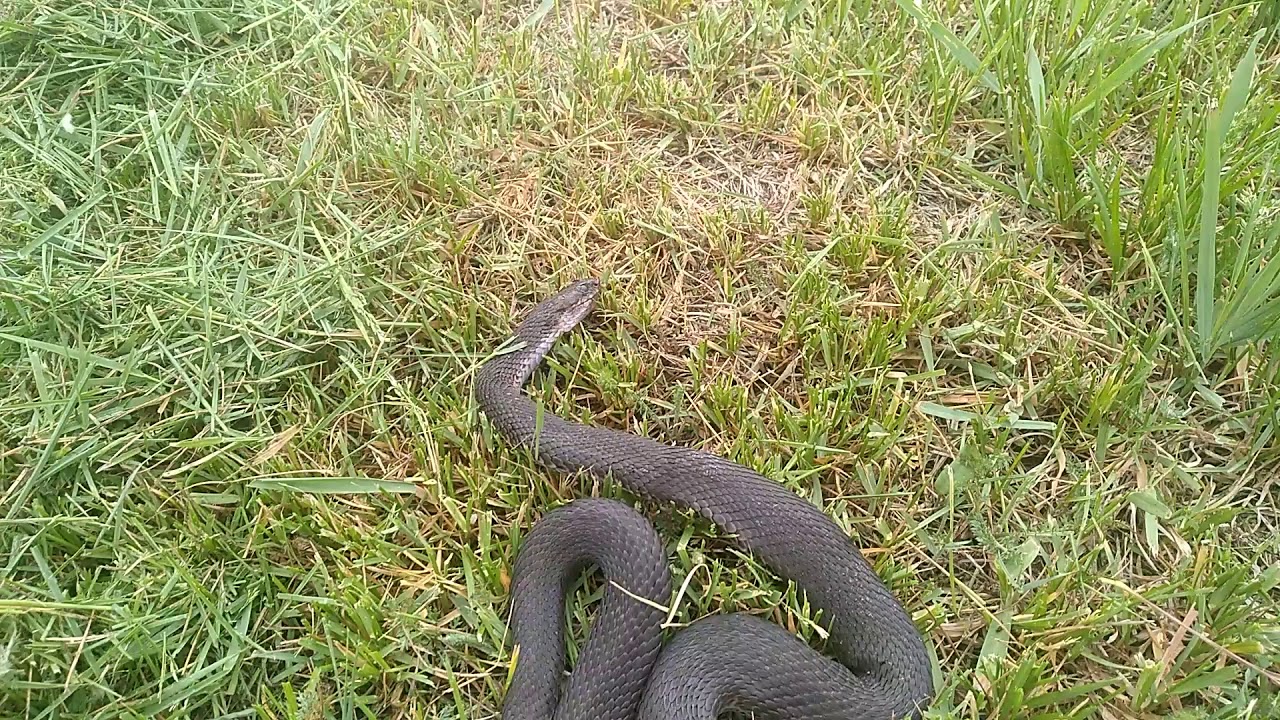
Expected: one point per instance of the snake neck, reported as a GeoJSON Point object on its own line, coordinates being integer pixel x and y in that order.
{"type": "Point", "coordinates": [499, 384]}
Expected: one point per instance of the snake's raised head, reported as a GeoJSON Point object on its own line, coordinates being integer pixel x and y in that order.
{"type": "Point", "coordinates": [576, 302]}
{"type": "Point", "coordinates": [561, 312]}
{"type": "Point", "coordinates": [551, 318]}
{"type": "Point", "coordinates": [534, 336]}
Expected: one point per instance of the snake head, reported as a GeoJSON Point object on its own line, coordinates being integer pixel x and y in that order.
{"type": "Point", "coordinates": [534, 337]}
{"type": "Point", "coordinates": [568, 307]}
{"type": "Point", "coordinates": [557, 315]}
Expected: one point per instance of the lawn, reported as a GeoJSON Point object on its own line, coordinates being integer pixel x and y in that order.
{"type": "Point", "coordinates": [991, 282]}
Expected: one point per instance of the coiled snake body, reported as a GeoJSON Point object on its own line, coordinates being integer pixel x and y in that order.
{"type": "Point", "coordinates": [733, 662]}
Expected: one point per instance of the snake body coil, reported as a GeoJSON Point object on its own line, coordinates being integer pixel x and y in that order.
{"type": "Point", "coordinates": [732, 662]}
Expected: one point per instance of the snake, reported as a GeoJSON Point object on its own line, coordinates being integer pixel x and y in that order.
{"type": "Point", "coordinates": [876, 666]}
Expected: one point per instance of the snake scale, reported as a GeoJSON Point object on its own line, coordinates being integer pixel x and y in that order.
{"type": "Point", "coordinates": [722, 663]}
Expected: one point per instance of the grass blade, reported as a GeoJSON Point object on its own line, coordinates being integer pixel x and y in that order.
{"type": "Point", "coordinates": [1207, 238]}
{"type": "Point", "coordinates": [1241, 82]}
{"type": "Point", "coordinates": [1129, 68]}
{"type": "Point", "coordinates": [63, 350]}
{"type": "Point", "coordinates": [1206, 243]}
{"type": "Point", "coordinates": [62, 223]}
{"type": "Point", "coordinates": [335, 485]}
{"type": "Point", "coordinates": [952, 42]}
{"type": "Point", "coordinates": [1035, 81]}
{"type": "Point", "coordinates": [534, 18]}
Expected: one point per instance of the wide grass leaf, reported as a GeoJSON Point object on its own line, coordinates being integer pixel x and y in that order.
{"type": "Point", "coordinates": [335, 485]}
{"type": "Point", "coordinates": [1215, 135]}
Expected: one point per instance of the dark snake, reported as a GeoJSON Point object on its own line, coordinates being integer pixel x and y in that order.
{"type": "Point", "coordinates": [733, 662]}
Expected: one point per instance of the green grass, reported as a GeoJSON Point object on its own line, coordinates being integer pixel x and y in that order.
{"type": "Point", "coordinates": [992, 282]}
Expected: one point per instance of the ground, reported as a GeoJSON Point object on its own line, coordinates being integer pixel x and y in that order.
{"type": "Point", "coordinates": [990, 282]}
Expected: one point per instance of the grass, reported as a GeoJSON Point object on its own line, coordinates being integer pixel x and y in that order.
{"type": "Point", "coordinates": [991, 282]}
